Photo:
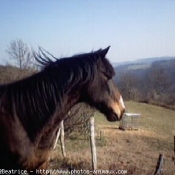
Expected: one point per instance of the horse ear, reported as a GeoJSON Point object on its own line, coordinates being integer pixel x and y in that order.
{"type": "Point", "coordinates": [104, 51]}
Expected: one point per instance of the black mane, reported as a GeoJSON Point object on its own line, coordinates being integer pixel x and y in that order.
{"type": "Point", "coordinates": [37, 97]}
{"type": "Point", "coordinates": [45, 59]}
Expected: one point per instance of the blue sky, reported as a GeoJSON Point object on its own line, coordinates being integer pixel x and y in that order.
{"type": "Point", "coordinates": [134, 28]}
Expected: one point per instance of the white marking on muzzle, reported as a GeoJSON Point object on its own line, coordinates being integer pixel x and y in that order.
{"type": "Point", "coordinates": [121, 102]}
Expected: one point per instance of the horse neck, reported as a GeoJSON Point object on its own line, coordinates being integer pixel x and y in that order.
{"type": "Point", "coordinates": [46, 137]}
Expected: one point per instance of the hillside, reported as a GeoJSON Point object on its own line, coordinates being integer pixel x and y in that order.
{"type": "Point", "coordinates": [134, 151]}
{"type": "Point", "coordinates": [148, 81]}
{"type": "Point", "coordinates": [12, 73]}
{"type": "Point", "coordinates": [142, 65]}
{"type": "Point", "coordinates": [146, 61]}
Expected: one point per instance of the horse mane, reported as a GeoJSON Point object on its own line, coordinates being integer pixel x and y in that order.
{"type": "Point", "coordinates": [45, 59]}
{"type": "Point", "coordinates": [35, 99]}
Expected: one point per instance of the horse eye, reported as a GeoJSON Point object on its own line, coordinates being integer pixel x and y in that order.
{"type": "Point", "coordinates": [109, 86]}
{"type": "Point", "coordinates": [106, 76]}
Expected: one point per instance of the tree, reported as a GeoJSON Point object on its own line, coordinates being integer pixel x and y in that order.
{"type": "Point", "coordinates": [20, 52]}
{"type": "Point", "coordinates": [159, 79]}
{"type": "Point", "coordinates": [128, 85]}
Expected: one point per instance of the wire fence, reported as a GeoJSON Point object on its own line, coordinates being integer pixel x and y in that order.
{"type": "Point", "coordinates": [147, 162]}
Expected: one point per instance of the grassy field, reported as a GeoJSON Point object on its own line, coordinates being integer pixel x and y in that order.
{"type": "Point", "coordinates": [134, 151]}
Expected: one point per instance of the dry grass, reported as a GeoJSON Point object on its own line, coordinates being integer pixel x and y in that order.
{"type": "Point", "coordinates": [134, 151]}
{"type": "Point", "coordinates": [10, 74]}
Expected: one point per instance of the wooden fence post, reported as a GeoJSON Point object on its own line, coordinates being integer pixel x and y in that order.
{"type": "Point", "coordinates": [159, 166]}
{"type": "Point", "coordinates": [58, 134]}
{"type": "Point", "coordinates": [92, 142]}
{"type": "Point", "coordinates": [62, 139]}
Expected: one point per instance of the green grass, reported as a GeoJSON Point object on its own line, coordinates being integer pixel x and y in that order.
{"type": "Point", "coordinates": [153, 118]}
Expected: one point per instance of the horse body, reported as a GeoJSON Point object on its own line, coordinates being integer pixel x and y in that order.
{"type": "Point", "coordinates": [32, 109]}
{"type": "Point", "coordinates": [26, 144]}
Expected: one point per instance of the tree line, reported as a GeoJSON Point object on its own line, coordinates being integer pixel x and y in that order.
{"type": "Point", "coordinates": [155, 84]}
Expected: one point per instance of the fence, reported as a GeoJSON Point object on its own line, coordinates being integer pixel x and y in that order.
{"type": "Point", "coordinates": [60, 134]}
{"type": "Point", "coordinates": [155, 163]}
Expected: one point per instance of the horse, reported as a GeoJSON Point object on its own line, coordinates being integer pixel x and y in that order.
{"type": "Point", "coordinates": [32, 108]}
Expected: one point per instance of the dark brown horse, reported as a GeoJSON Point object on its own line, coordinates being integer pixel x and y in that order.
{"type": "Point", "coordinates": [31, 109]}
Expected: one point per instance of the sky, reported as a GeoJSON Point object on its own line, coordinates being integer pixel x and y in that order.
{"type": "Point", "coordinates": [133, 28]}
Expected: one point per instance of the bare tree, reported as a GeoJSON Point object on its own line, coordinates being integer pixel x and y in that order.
{"type": "Point", "coordinates": [128, 84]}
{"type": "Point", "coordinates": [159, 79]}
{"type": "Point", "coordinates": [20, 52]}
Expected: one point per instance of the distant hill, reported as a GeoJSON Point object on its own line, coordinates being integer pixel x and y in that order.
{"type": "Point", "coordinates": [144, 61]}
{"type": "Point", "coordinates": [148, 80]}
{"type": "Point", "coordinates": [144, 66]}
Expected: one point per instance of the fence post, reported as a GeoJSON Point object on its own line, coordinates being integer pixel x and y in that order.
{"type": "Point", "coordinates": [92, 142]}
{"type": "Point", "coordinates": [58, 134]}
{"type": "Point", "coordinates": [159, 166]}
{"type": "Point", "coordinates": [62, 139]}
